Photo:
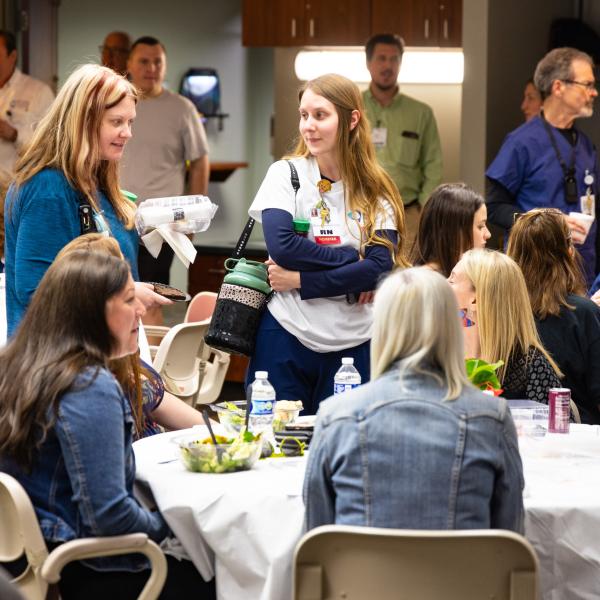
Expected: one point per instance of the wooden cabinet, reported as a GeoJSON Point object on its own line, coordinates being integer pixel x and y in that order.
{"type": "Point", "coordinates": [302, 23]}
{"type": "Point", "coordinates": [420, 22]}
{"type": "Point", "coordinates": [350, 22]}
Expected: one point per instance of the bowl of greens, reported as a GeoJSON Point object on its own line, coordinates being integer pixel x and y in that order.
{"type": "Point", "coordinates": [232, 415]}
{"type": "Point", "coordinates": [228, 455]}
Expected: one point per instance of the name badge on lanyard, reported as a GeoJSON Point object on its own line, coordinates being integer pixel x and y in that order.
{"type": "Point", "coordinates": [379, 137]}
{"type": "Point", "coordinates": [588, 200]}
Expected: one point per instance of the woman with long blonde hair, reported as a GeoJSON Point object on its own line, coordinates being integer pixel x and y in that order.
{"type": "Point", "coordinates": [418, 446]}
{"type": "Point", "coordinates": [567, 321]}
{"type": "Point", "coordinates": [499, 325]}
{"type": "Point", "coordinates": [354, 233]}
{"type": "Point", "coordinates": [67, 183]}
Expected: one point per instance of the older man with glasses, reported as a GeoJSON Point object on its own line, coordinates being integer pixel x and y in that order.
{"type": "Point", "coordinates": [114, 52]}
{"type": "Point", "coordinates": [548, 162]}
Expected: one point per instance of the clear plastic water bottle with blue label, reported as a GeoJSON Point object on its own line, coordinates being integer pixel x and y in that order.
{"type": "Point", "coordinates": [263, 405]}
{"type": "Point", "coordinates": [347, 376]}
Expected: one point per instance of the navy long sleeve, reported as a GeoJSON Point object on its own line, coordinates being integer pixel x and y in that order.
{"type": "Point", "coordinates": [295, 253]}
{"type": "Point", "coordinates": [361, 276]}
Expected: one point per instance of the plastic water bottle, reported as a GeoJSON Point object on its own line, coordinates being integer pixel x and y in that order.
{"type": "Point", "coordinates": [347, 376]}
{"type": "Point", "coordinates": [263, 404]}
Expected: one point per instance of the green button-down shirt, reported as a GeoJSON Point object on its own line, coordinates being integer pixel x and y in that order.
{"type": "Point", "coordinates": [412, 154]}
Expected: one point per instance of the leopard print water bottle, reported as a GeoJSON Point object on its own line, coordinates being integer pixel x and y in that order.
{"type": "Point", "coordinates": [242, 298]}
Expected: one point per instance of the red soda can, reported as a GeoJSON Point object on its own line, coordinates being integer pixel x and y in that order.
{"type": "Point", "coordinates": [559, 402]}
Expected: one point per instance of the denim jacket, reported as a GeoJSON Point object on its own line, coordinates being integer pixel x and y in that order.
{"type": "Point", "coordinates": [393, 454]}
{"type": "Point", "coordinates": [81, 483]}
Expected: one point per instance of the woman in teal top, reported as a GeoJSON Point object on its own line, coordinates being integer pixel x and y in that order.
{"type": "Point", "coordinates": [72, 159]}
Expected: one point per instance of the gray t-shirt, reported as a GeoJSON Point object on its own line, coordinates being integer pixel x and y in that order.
{"type": "Point", "coordinates": [167, 131]}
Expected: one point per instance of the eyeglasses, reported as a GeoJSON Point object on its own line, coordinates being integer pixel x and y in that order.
{"type": "Point", "coordinates": [113, 50]}
{"type": "Point", "coordinates": [588, 85]}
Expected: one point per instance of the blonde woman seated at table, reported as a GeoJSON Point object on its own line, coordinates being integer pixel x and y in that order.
{"type": "Point", "coordinates": [418, 446]}
{"type": "Point", "coordinates": [453, 221]}
{"type": "Point", "coordinates": [153, 408]}
{"type": "Point", "coordinates": [567, 321]}
{"type": "Point", "coordinates": [498, 324]}
{"type": "Point", "coordinates": [66, 427]}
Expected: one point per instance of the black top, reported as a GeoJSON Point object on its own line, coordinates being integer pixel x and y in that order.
{"type": "Point", "coordinates": [529, 377]}
{"type": "Point", "coordinates": [573, 340]}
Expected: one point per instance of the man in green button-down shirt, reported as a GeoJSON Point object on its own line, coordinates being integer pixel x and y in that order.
{"type": "Point", "coordinates": [404, 130]}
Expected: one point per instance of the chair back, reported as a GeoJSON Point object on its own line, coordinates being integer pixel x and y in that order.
{"type": "Point", "coordinates": [179, 360]}
{"type": "Point", "coordinates": [201, 307]}
{"type": "Point", "coordinates": [20, 535]}
{"type": "Point", "coordinates": [337, 561]}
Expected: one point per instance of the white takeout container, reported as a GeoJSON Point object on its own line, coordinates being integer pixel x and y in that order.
{"type": "Point", "coordinates": [584, 220]}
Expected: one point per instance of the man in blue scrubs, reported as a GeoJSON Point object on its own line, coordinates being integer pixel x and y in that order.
{"type": "Point", "coordinates": [548, 162]}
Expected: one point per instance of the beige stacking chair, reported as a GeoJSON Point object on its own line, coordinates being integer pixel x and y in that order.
{"type": "Point", "coordinates": [189, 368]}
{"type": "Point", "coordinates": [356, 563]}
{"type": "Point", "coordinates": [20, 534]}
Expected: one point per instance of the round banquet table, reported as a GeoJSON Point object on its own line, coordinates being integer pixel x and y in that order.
{"type": "Point", "coordinates": [243, 527]}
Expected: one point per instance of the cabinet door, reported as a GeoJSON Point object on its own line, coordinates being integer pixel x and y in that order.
{"type": "Point", "coordinates": [273, 23]}
{"type": "Point", "coordinates": [419, 22]}
{"type": "Point", "coordinates": [450, 23]}
{"type": "Point", "coordinates": [339, 23]}
{"type": "Point", "coordinates": [402, 17]}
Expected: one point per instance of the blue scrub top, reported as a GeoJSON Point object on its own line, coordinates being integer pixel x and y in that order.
{"type": "Point", "coordinates": [527, 166]}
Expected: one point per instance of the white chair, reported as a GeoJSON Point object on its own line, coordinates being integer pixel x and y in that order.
{"type": "Point", "coordinates": [338, 561]}
{"type": "Point", "coordinates": [20, 534]}
{"type": "Point", "coordinates": [189, 368]}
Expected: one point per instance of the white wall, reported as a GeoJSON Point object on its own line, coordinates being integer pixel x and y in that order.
{"type": "Point", "coordinates": [502, 42]}
{"type": "Point", "coordinates": [445, 100]}
{"type": "Point", "coordinates": [195, 34]}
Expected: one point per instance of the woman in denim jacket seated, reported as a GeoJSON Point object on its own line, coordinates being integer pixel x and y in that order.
{"type": "Point", "coordinates": [418, 447]}
{"type": "Point", "coordinates": [66, 427]}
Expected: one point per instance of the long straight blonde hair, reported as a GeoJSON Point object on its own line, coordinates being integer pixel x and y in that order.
{"type": "Point", "coordinates": [365, 182]}
{"type": "Point", "coordinates": [504, 314]}
{"type": "Point", "coordinates": [416, 326]}
{"type": "Point", "coordinates": [68, 138]}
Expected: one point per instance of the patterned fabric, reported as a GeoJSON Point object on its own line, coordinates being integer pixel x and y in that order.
{"type": "Point", "coordinates": [529, 377]}
{"type": "Point", "coordinates": [153, 391]}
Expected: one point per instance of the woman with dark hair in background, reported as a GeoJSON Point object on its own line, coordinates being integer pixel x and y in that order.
{"type": "Point", "coordinates": [66, 427]}
{"type": "Point", "coordinates": [453, 221]}
{"type": "Point", "coordinates": [567, 321]}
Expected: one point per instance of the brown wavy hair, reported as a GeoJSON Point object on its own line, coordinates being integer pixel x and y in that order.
{"type": "Point", "coordinates": [540, 243]}
{"type": "Point", "coordinates": [63, 333]}
{"type": "Point", "coordinates": [365, 182]}
{"type": "Point", "coordinates": [68, 138]}
{"type": "Point", "coordinates": [128, 370]}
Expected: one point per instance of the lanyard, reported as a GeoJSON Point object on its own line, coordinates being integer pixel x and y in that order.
{"type": "Point", "coordinates": [568, 172]}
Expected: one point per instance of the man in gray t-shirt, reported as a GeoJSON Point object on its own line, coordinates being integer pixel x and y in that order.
{"type": "Point", "coordinates": [167, 132]}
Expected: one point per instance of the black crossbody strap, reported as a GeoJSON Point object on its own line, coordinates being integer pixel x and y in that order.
{"type": "Point", "coordinates": [567, 171]}
{"type": "Point", "coordinates": [245, 235]}
{"type": "Point", "coordinates": [294, 177]}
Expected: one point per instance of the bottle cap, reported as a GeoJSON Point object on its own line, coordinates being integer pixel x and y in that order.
{"type": "Point", "coordinates": [347, 360]}
{"type": "Point", "coordinates": [301, 225]}
{"type": "Point", "coordinates": [129, 195]}
{"type": "Point", "coordinates": [261, 374]}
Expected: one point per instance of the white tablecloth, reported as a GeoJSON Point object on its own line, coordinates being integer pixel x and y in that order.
{"type": "Point", "coordinates": [243, 527]}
